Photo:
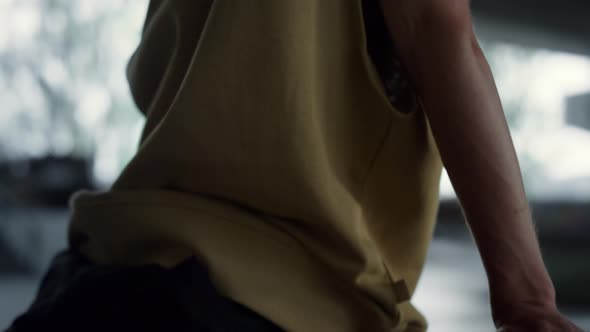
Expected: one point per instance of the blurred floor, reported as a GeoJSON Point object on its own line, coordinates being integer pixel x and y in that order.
{"type": "Point", "coordinates": [452, 292]}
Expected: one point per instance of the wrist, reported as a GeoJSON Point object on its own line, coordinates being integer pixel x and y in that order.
{"type": "Point", "coordinates": [536, 289]}
{"type": "Point", "coordinates": [520, 276]}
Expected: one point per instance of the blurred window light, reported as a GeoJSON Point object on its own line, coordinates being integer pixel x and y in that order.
{"type": "Point", "coordinates": [62, 74]}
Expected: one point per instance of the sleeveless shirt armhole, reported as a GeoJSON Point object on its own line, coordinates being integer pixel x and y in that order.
{"type": "Point", "coordinates": [395, 80]}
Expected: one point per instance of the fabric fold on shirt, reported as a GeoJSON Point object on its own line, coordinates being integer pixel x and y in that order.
{"type": "Point", "coordinates": [272, 153]}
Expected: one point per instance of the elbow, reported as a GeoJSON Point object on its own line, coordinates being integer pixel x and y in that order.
{"type": "Point", "coordinates": [418, 25]}
{"type": "Point", "coordinates": [430, 33]}
{"type": "Point", "coordinates": [450, 18]}
{"type": "Point", "coordinates": [444, 30]}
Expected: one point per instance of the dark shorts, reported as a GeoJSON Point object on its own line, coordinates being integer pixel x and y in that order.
{"type": "Point", "coordinates": [76, 295]}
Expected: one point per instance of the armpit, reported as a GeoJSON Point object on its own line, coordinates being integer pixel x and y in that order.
{"type": "Point", "coordinates": [395, 78]}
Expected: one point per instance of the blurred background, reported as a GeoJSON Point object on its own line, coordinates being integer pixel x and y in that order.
{"type": "Point", "coordinates": [67, 122]}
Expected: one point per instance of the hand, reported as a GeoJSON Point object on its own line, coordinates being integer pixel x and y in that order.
{"type": "Point", "coordinates": [532, 318]}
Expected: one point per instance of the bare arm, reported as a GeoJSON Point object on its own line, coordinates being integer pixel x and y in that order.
{"type": "Point", "coordinates": [438, 45]}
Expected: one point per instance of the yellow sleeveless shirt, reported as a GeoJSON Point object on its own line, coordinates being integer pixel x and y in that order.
{"type": "Point", "coordinates": [272, 153]}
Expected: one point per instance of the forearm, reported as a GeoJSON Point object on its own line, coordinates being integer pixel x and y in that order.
{"type": "Point", "coordinates": [465, 113]}
{"type": "Point", "coordinates": [470, 129]}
